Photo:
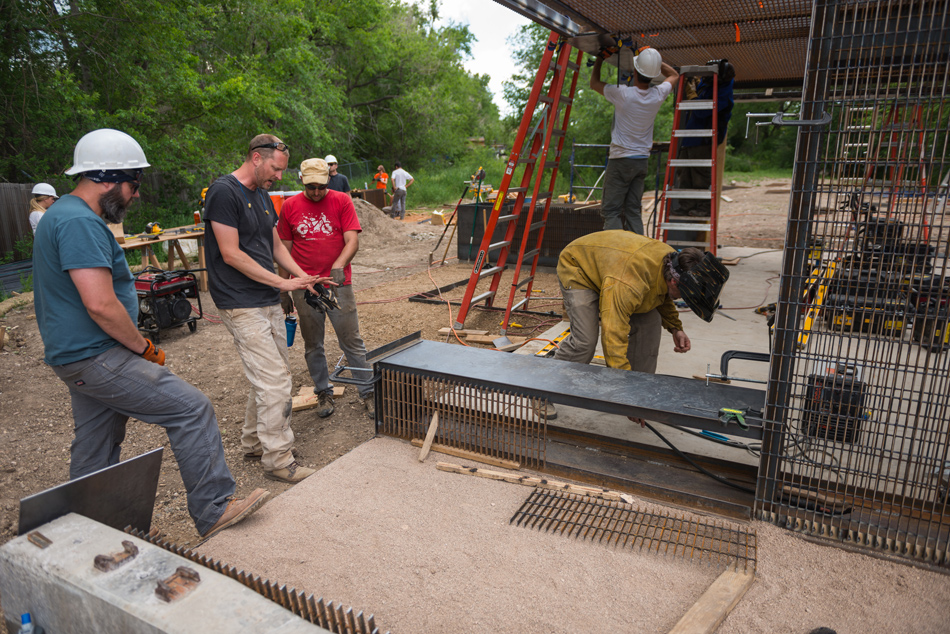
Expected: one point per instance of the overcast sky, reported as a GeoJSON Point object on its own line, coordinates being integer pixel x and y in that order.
{"type": "Point", "coordinates": [491, 24]}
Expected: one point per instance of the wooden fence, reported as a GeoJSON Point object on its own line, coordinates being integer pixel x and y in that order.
{"type": "Point", "coordinates": [14, 214]}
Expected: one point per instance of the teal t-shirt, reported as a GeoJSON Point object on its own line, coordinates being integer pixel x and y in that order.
{"type": "Point", "coordinates": [72, 236]}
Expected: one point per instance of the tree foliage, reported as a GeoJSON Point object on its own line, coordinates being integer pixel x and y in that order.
{"type": "Point", "coordinates": [194, 80]}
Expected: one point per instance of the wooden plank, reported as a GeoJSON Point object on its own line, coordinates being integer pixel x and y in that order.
{"type": "Point", "coordinates": [469, 455]}
{"type": "Point", "coordinates": [717, 602]}
{"type": "Point", "coordinates": [462, 332]}
{"type": "Point", "coordinates": [430, 436]}
{"type": "Point", "coordinates": [531, 481]}
{"type": "Point", "coordinates": [203, 276]}
{"type": "Point", "coordinates": [490, 339]}
{"type": "Point", "coordinates": [726, 198]}
{"type": "Point", "coordinates": [306, 399]}
{"type": "Point", "coordinates": [730, 261]}
{"type": "Point", "coordinates": [3, 336]}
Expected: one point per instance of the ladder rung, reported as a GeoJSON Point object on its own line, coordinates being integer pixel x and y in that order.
{"type": "Point", "coordinates": [519, 304]}
{"type": "Point", "coordinates": [685, 226]}
{"type": "Point", "coordinates": [695, 104]}
{"type": "Point", "coordinates": [550, 164]}
{"type": "Point", "coordinates": [692, 133]}
{"type": "Point", "coordinates": [691, 194]}
{"type": "Point", "coordinates": [498, 245]}
{"type": "Point", "coordinates": [482, 297]}
{"type": "Point", "coordinates": [686, 243]}
{"type": "Point", "coordinates": [570, 65]}
{"type": "Point", "coordinates": [537, 225]}
{"type": "Point", "coordinates": [491, 271]}
{"type": "Point", "coordinates": [544, 195]}
{"type": "Point", "coordinates": [558, 133]}
{"type": "Point", "coordinates": [690, 163]}
{"type": "Point", "coordinates": [517, 190]}
{"type": "Point", "coordinates": [563, 101]}
{"type": "Point", "coordinates": [530, 254]}
{"type": "Point", "coordinates": [506, 218]}
{"type": "Point", "coordinates": [529, 161]}
{"type": "Point", "coordinates": [698, 71]}
{"type": "Point", "coordinates": [678, 218]}
{"type": "Point", "coordinates": [523, 282]}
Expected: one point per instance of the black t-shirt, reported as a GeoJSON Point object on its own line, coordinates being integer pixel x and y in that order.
{"type": "Point", "coordinates": [251, 211]}
{"type": "Point", "coordinates": [338, 182]}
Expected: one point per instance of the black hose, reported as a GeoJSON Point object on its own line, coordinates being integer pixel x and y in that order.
{"type": "Point", "coordinates": [690, 461]}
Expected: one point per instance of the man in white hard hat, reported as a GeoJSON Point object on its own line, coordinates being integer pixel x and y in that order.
{"type": "Point", "coordinates": [338, 182]}
{"type": "Point", "coordinates": [321, 230]}
{"type": "Point", "coordinates": [631, 137]}
{"type": "Point", "coordinates": [241, 246]}
{"type": "Point", "coordinates": [87, 310]}
{"type": "Point", "coordinates": [44, 195]}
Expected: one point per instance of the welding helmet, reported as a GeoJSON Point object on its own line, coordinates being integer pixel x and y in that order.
{"type": "Point", "coordinates": [701, 286]}
{"type": "Point", "coordinates": [648, 62]}
{"type": "Point", "coordinates": [727, 72]}
{"type": "Point", "coordinates": [107, 150]}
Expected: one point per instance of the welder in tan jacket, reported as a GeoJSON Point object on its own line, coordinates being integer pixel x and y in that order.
{"type": "Point", "coordinates": [624, 284]}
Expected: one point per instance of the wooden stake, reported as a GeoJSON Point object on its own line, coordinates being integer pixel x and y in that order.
{"type": "Point", "coordinates": [3, 336]}
{"type": "Point", "coordinates": [430, 436]}
{"type": "Point", "coordinates": [531, 481]}
{"type": "Point", "coordinates": [717, 602]}
{"type": "Point", "coordinates": [469, 455]}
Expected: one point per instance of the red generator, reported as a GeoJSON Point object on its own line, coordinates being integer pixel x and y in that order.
{"type": "Point", "coordinates": [165, 301]}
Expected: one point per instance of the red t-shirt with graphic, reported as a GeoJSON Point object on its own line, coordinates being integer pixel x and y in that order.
{"type": "Point", "coordinates": [316, 230]}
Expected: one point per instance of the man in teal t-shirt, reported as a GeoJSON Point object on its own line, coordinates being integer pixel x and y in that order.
{"type": "Point", "coordinates": [87, 309]}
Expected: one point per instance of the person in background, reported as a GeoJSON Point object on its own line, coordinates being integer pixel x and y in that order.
{"type": "Point", "coordinates": [87, 309]}
{"type": "Point", "coordinates": [321, 230]}
{"type": "Point", "coordinates": [401, 180]}
{"type": "Point", "coordinates": [43, 196]}
{"type": "Point", "coordinates": [382, 180]}
{"type": "Point", "coordinates": [338, 182]}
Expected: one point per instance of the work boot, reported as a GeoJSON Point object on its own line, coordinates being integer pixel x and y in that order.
{"type": "Point", "coordinates": [254, 456]}
{"type": "Point", "coordinates": [238, 510]}
{"type": "Point", "coordinates": [369, 402]}
{"type": "Point", "coordinates": [325, 405]}
{"type": "Point", "coordinates": [545, 410]}
{"type": "Point", "coordinates": [292, 473]}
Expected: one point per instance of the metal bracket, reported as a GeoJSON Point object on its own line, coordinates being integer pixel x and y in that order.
{"type": "Point", "coordinates": [778, 120]}
{"type": "Point", "coordinates": [106, 563]}
{"type": "Point", "coordinates": [178, 585]}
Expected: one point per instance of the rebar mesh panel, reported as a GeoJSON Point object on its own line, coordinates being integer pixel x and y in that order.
{"type": "Point", "coordinates": [626, 526]}
{"type": "Point", "coordinates": [860, 379]}
{"type": "Point", "coordinates": [495, 423]}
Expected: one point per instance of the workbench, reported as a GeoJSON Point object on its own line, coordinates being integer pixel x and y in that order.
{"type": "Point", "coordinates": [146, 243]}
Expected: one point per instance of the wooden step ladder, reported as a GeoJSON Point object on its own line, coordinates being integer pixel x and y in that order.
{"type": "Point", "coordinates": [546, 134]}
{"type": "Point", "coordinates": [670, 222]}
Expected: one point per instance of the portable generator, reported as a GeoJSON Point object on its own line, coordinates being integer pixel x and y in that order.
{"type": "Point", "coordinates": [165, 301]}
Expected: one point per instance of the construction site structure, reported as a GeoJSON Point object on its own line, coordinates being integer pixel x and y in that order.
{"type": "Point", "coordinates": [537, 148]}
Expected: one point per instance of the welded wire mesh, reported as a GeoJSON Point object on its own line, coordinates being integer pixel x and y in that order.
{"type": "Point", "coordinates": [860, 379]}
{"type": "Point", "coordinates": [495, 423]}
{"type": "Point", "coordinates": [623, 525]}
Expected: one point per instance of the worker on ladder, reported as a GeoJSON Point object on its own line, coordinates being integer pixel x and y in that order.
{"type": "Point", "coordinates": [623, 285]}
{"type": "Point", "coordinates": [631, 136]}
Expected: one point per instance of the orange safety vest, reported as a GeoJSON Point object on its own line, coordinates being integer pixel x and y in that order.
{"type": "Point", "coordinates": [381, 179]}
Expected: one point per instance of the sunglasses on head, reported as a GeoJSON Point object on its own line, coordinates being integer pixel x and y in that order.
{"type": "Point", "coordinates": [314, 187]}
{"type": "Point", "coordinates": [280, 147]}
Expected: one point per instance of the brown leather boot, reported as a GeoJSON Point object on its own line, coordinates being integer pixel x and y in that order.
{"type": "Point", "coordinates": [237, 510]}
{"type": "Point", "coordinates": [292, 473]}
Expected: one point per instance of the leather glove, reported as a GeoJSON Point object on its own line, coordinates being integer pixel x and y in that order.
{"type": "Point", "coordinates": [153, 354]}
{"type": "Point", "coordinates": [338, 276]}
{"type": "Point", "coordinates": [286, 302]}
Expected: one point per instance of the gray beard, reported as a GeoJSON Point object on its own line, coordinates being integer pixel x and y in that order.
{"type": "Point", "coordinates": [113, 205]}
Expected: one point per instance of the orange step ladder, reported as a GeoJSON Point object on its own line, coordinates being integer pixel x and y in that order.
{"type": "Point", "coordinates": [546, 135]}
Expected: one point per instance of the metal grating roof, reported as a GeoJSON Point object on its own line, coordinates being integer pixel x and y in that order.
{"type": "Point", "coordinates": [765, 39]}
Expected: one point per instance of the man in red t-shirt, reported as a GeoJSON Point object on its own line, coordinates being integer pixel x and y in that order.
{"type": "Point", "coordinates": [321, 230]}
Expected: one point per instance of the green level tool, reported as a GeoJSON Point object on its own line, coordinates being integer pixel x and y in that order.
{"type": "Point", "coordinates": [729, 414]}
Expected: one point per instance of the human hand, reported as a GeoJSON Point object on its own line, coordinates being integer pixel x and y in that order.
{"type": "Point", "coordinates": [680, 342]}
{"type": "Point", "coordinates": [286, 302]}
{"type": "Point", "coordinates": [153, 354]}
{"type": "Point", "coordinates": [634, 419]}
{"type": "Point", "coordinates": [338, 276]}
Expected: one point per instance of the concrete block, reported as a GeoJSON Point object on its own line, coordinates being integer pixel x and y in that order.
{"type": "Point", "coordinates": [66, 594]}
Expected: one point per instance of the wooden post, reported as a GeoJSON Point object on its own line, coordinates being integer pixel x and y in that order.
{"type": "Point", "coordinates": [430, 436]}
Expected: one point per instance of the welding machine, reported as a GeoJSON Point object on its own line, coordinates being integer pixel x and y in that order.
{"type": "Point", "coordinates": [165, 301]}
{"type": "Point", "coordinates": [834, 403]}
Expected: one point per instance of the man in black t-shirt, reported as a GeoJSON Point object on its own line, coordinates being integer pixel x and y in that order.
{"type": "Point", "coordinates": [241, 246]}
{"type": "Point", "coordinates": [338, 182]}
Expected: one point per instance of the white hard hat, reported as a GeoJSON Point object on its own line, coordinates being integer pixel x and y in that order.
{"type": "Point", "coordinates": [330, 158]}
{"type": "Point", "coordinates": [44, 189]}
{"type": "Point", "coordinates": [648, 62]}
{"type": "Point", "coordinates": [107, 149]}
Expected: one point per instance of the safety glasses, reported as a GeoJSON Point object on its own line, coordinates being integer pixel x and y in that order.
{"type": "Point", "coordinates": [280, 147]}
